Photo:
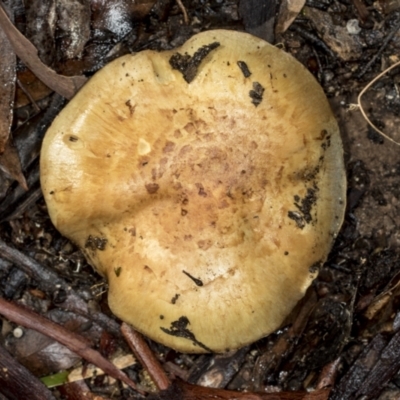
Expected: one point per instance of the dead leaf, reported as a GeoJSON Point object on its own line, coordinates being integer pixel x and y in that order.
{"type": "Point", "coordinates": [40, 27]}
{"type": "Point", "coordinates": [10, 164]}
{"type": "Point", "coordinates": [140, 8]}
{"type": "Point", "coordinates": [67, 86]}
{"type": "Point", "coordinates": [79, 390]}
{"type": "Point", "coordinates": [336, 37]}
{"type": "Point", "coordinates": [44, 355]}
{"type": "Point", "coordinates": [113, 18]}
{"type": "Point", "coordinates": [16, 382]}
{"type": "Point", "coordinates": [73, 341]}
{"type": "Point", "coordinates": [288, 12]}
{"type": "Point", "coordinates": [7, 88]}
{"type": "Point", "coordinates": [73, 25]}
{"type": "Point", "coordinates": [29, 88]}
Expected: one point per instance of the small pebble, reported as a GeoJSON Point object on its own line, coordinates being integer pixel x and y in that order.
{"type": "Point", "coordinates": [328, 76]}
{"type": "Point", "coordinates": [353, 27]}
{"type": "Point", "coordinates": [18, 332]}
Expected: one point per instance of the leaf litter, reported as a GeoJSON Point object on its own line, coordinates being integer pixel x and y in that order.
{"type": "Point", "coordinates": [357, 287]}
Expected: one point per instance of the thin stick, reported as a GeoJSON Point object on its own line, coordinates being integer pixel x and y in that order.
{"type": "Point", "coordinates": [145, 356]}
{"type": "Point", "coordinates": [32, 198]}
{"type": "Point", "coordinates": [185, 391]}
{"type": "Point", "coordinates": [73, 341]}
{"type": "Point", "coordinates": [17, 382]}
{"type": "Point", "coordinates": [386, 41]}
{"type": "Point", "coordinates": [184, 12]}
{"type": "Point", "coordinates": [362, 109]}
{"type": "Point", "coordinates": [48, 279]}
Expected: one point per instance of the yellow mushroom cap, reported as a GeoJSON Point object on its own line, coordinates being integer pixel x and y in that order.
{"type": "Point", "coordinates": [205, 183]}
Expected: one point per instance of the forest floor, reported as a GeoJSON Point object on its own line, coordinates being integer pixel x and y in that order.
{"type": "Point", "coordinates": [346, 329]}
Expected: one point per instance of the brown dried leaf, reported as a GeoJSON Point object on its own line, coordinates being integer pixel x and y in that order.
{"type": "Point", "coordinates": [337, 38]}
{"type": "Point", "coordinates": [40, 27]}
{"type": "Point", "coordinates": [29, 88]}
{"type": "Point", "coordinates": [79, 391]}
{"type": "Point", "coordinates": [140, 8]}
{"type": "Point", "coordinates": [73, 25]}
{"type": "Point", "coordinates": [10, 163]}
{"type": "Point", "coordinates": [288, 12]}
{"type": "Point", "coordinates": [7, 88]}
{"type": "Point", "coordinates": [112, 17]}
{"type": "Point", "coordinates": [16, 382]}
{"type": "Point", "coordinates": [43, 355]}
{"type": "Point", "coordinates": [382, 313]}
{"type": "Point", "coordinates": [64, 85]}
{"type": "Point", "coordinates": [73, 341]}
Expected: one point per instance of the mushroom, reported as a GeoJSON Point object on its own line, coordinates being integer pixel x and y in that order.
{"type": "Point", "coordinates": [206, 184]}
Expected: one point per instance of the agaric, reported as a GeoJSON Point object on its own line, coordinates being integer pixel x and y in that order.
{"type": "Point", "coordinates": [206, 183]}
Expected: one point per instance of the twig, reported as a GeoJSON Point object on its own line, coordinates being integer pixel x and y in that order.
{"type": "Point", "coordinates": [16, 193]}
{"type": "Point", "coordinates": [386, 41]}
{"type": "Point", "coordinates": [47, 280]}
{"type": "Point", "coordinates": [88, 371]}
{"type": "Point", "coordinates": [383, 370]}
{"type": "Point", "coordinates": [66, 86]}
{"type": "Point", "coordinates": [17, 382]}
{"type": "Point", "coordinates": [185, 391]}
{"type": "Point", "coordinates": [184, 12]}
{"type": "Point", "coordinates": [271, 361]}
{"type": "Point", "coordinates": [145, 356]}
{"type": "Point", "coordinates": [328, 374]}
{"type": "Point", "coordinates": [31, 199]}
{"type": "Point", "coordinates": [362, 109]}
{"type": "Point", "coordinates": [73, 341]}
{"type": "Point", "coordinates": [313, 39]}
{"type": "Point", "coordinates": [356, 377]}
